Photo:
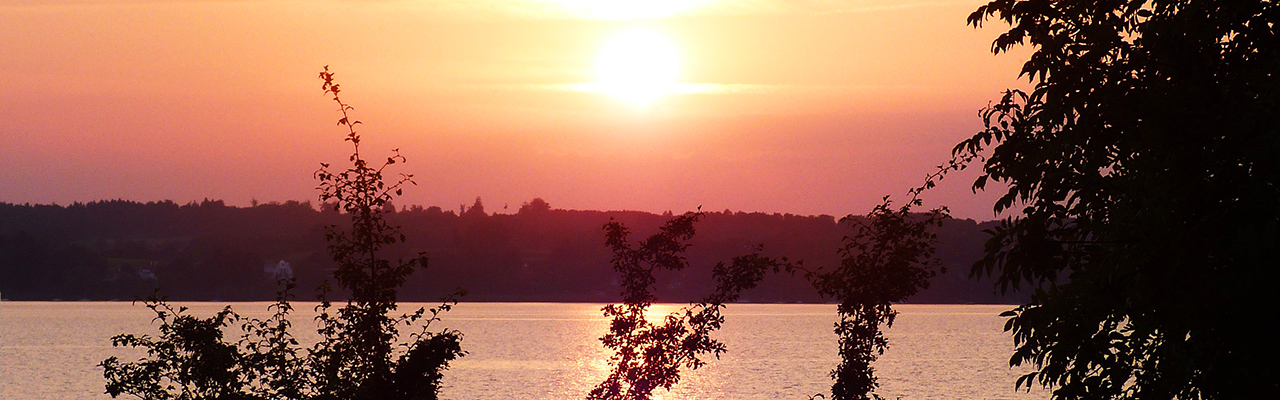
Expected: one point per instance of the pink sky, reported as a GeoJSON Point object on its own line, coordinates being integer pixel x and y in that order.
{"type": "Point", "coordinates": [818, 107]}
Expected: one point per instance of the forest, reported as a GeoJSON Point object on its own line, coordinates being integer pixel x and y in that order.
{"type": "Point", "coordinates": [125, 250]}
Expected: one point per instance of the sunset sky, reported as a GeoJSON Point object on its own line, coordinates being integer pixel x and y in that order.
{"type": "Point", "coordinates": [817, 107]}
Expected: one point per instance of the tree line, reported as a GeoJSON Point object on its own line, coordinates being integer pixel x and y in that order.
{"type": "Point", "coordinates": [208, 250]}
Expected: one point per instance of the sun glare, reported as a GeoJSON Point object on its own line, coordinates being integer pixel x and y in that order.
{"type": "Point", "coordinates": [628, 9]}
{"type": "Point", "coordinates": [638, 66]}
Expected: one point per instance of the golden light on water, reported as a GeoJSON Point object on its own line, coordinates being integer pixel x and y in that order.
{"type": "Point", "coordinates": [657, 313]}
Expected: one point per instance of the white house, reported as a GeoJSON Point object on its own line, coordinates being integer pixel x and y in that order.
{"type": "Point", "coordinates": [277, 271]}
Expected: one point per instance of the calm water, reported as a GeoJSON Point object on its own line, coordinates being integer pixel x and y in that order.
{"type": "Point", "coordinates": [551, 351]}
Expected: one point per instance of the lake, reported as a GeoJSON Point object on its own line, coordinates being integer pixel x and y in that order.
{"type": "Point", "coordinates": [49, 350]}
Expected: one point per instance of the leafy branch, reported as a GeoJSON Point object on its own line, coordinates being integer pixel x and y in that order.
{"type": "Point", "coordinates": [650, 354]}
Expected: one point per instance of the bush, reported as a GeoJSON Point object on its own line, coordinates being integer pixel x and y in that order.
{"type": "Point", "coordinates": [359, 355]}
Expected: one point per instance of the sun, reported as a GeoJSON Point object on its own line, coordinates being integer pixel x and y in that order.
{"type": "Point", "coordinates": [638, 66]}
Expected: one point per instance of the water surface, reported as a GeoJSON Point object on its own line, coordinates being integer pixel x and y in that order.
{"type": "Point", "coordinates": [49, 350]}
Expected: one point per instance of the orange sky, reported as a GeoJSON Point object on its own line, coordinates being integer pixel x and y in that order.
{"type": "Point", "coordinates": [801, 107]}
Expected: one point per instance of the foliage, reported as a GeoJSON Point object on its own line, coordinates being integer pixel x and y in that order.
{"type": "Point", "coordinates": [887, 259]}
{"type": "Point", "coordinates": [649, 355]}
{"type": "Point", "coordinates": [191, 359]}
{"type": "Point", "coordinates": [535, 206]}
{"type": "Point", "coordinates": [1145, 165]}
{"type": "Point", "coordinates": [359, 355]}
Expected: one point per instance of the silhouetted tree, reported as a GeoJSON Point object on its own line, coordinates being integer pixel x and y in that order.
{"type": "Point", "coordinates": [191, 359]}
{"type": "Point", "coordinates": [357, 357]}
{"type": "Point", "coordinates": [888, 258]}
{"type": "Point", "coordinates": [476, 210]}
{"type": "Point", "coordinates": [360, 354]}
{"type": "Point", "coordinates": [649, 355]}
{"type": "Point", "coordinates": [535, 206]}
{"type": "Point", "coordinates": [1143, 171]}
